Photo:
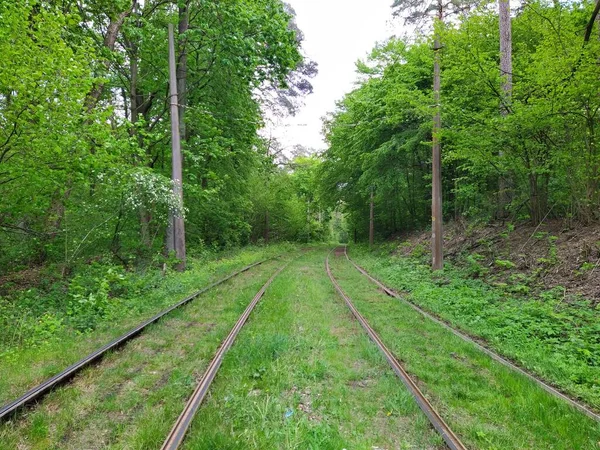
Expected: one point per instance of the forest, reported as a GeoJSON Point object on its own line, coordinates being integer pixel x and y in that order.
{"type": "Point", "coordinates": [85, 161]}
{"type": "Point", "coordinates": [527, 156]}
{"type": "Point", "coordinates": [461, 169]}
{"type": "Point", "coordinates": [84, 109]}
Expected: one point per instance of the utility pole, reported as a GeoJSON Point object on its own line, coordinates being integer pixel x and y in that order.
{"type": "Point", "coordinates": [436, 185]}
{"type": "Point", "coordinates": [176, 231]}
{"type": "Point", "coordinates": [267, 226]}
{"type": "Point", "coordinates": [371, 221]}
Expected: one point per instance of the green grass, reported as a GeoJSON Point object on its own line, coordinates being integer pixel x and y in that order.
{"type": "Point", "coordinates": [27, 360]}
{"type": "Point", "coordinates": [488, 405]}
{"type": "Point", "coordinates": [303, 375]}
{"type": "Point", "coordinates": [556, 339]}
{"type": "Point", "coordinates": [132, 397]}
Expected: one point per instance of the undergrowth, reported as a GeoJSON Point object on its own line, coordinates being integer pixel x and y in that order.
{"type": "Point", "coordinates": [557, 339]}
{"type": "Point", "coordinates": [44, 328]}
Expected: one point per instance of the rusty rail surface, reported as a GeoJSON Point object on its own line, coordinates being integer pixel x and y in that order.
{"type": "Point", "coordinates": [436, 420]}
{"type": "Point", "coordinates": [42, 389]}
{"type": "Point", "coordinates": [179, 430]}
{"type": "Point", "coordinates": [495, 356]}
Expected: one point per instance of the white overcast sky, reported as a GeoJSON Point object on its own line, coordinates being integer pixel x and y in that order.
{"type": "Point", "coordinates": [337, 33]}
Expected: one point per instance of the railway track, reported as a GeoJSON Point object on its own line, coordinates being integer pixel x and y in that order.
{"type": "Point", "coordinates": [451, 439]}
{"type": "Point", "coordinates": [36, 393]}
{"type": "Point", "coordinates": [495, 356]}
{"type": "Point", "coordinates": [179, 430]}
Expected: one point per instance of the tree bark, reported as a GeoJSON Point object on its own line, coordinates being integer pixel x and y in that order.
{"type": "Point", "coordinates": [506, 69]}
{"type": "Point", "coordinates": [590, 25]}
{"type": "Point", "coordinates": [110, 39]}
{"type": "Point", "coordinates": [505, 55]}
{"type": "Point", "coordinates": [177, 223]}
{"type": "Point", "coordinates": [266, 234]}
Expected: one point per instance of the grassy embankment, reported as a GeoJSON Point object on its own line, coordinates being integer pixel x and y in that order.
{"type": "Point", "coordinates": [558, 340]}
{"type": "Point", "coordinates": [42, 331]}
{"type": "Point", "coordinates": [486, 403]}
{"type": "Point", "coordinates": [131, 398]}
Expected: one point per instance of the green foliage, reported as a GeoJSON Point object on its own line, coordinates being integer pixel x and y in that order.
{"type": "Point", "coordinates": [474, 267]}
{"type": "Point", "coordinates": [553, 336]}
{"type": "Point", "coordinates": [546, 146]}
{"type": "Point", "coordinates": [104, 295]}
{"type": "Point", "coordinates": [504, 264]}
{"type": "Point", "coordinates": [286, 205]}
{"type": "Point", "coordinates": [85, 136]}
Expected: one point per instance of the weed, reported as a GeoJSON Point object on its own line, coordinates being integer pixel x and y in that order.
{"type": "Point", "coordinates": [487, 404]}
{"type": "Point", "coordinates": [504, 264]}
{"type": "Point", "coordinates": [418, 251]}
{"type": "Point", "coordinates": [474, 267]}
{"type": "Point", "coordinates": [555, 338]}
{"type": "Point", "coordinates": [42, 332]}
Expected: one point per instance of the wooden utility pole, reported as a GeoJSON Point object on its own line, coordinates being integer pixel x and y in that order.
{"type": "Point", "coordinates": [182, 65]}
{"type": "Point", "coordinates": [436, 194]}
{"type": "Point", "coordinates": [371, 220]}
{"type": "Point", "coordinates": [267, 226]}
{"type": "Point", "coordinates": [176, 232]}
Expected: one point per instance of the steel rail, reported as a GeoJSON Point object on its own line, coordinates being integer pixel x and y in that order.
{"type": "Point", "coordinates": [436, 420]}
{"type": "Point", "coordinates": [495, 356]}
{"type": "Point", "coordinates": [179, 430]}
{"type": "Point", "coordinates": [42, 389]}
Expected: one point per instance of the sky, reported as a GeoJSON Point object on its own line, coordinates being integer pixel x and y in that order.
{"type": "Point", "coordinates": [337, 34]}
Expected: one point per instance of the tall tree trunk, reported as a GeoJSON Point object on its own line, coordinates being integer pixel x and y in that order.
{"type": "Point", "coordinates": [436, 185]}
{"type": "Point", "coordinates": [135, 101]}
{"type": "Point", "coordinates": [110, 40]}
{"type": "Point", "coordinates": [590, 25]}
{"type": "Point", "coordinates": [506, 69]}
{"type": "Point", "coordinates": [505, 55]}
{"type": "Point", "coordinates": [181, 76]}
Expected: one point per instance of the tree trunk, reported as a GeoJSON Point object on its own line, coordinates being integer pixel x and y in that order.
{"type": "Point", "coordinates": [505, 55]}
{"type": "Point", "coordinates": [112, 32]}
{"type": "Point", "coordinates": [176, 222]}
{"type": "Point", "coordinates": [266, 235]}
{"type": "Point", "coordinates": [504, 182]}
{"type": "Point", "coordinates": [538, 194]}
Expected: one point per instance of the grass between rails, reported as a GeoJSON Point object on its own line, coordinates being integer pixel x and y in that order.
{"type": "Point", "coordinates": [131, 398]}
{"type": "Point", "coordinates": [558, 340]}
{"type": "Point", "coordinates": [40, 354]}
{"type": "Point", "coordinates": [488, 405]}
{"type": "Point", "coordinates": [303, 375]}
